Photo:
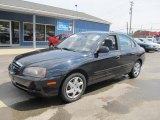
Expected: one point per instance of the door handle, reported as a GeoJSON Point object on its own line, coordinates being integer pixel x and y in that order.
{"type": "Point", "coordinates": [117, 57]}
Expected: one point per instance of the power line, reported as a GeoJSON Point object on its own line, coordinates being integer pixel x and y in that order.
{"type": "Point", "coordinates": [135, 29]}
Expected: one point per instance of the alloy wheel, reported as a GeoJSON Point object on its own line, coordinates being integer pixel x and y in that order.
{"type": "Point", "coordinates": [137, 69]}
{"type": "Point", "coordinates": [74, 87]}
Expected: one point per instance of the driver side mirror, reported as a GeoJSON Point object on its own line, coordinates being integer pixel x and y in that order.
{"type": "Point", "coordinates": [103, 49]}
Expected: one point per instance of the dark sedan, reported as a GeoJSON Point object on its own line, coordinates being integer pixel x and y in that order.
{"type": "Point", "coordinates": [79, 61]}
{"type": "Point", "coordinates": [146, 45]}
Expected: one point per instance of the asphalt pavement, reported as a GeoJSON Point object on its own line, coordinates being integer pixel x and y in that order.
{"type": "Point", "coordinates": [116, 99]}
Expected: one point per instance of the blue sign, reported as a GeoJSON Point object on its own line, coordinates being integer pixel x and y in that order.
{"type": "Point", "coordinates": [64, 26]}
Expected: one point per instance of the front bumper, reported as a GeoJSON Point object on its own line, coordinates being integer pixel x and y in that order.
{"type": "Point", "coordinates": [151, 49]}
{"type": "Point", "coordinates": [157, 49]}
{"type": "Point", "coordinates": [37, 87]}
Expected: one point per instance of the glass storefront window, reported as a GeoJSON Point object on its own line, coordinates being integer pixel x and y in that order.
{"type": "Point", "coordinates": [40, 32]}
{"type": "Point", "coordinates": [15, 32]}
{"type": "Point", "coordinates": [28, 32]}
{"type": "Point", "coordinates": [4, 32]}
{"type": "Point", "coordinates": [43, 32]}
{"type": "Point", "coordinates": [50, 31]}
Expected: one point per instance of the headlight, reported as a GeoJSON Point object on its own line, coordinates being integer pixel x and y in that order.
{"type": "Point", "coordinates": [35, 72]}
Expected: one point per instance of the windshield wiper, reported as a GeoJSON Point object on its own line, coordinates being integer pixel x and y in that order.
{"type": "Point", "coordinates": [56, 47]}
{"type": "Point", "coordinates": [68, 49]}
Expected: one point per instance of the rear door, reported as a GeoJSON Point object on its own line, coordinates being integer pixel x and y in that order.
{"type": "Point", "coordinates": [128, 53]}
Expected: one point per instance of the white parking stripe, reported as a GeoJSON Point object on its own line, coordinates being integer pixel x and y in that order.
{"type": "Point", "coordinates": [45, 115]}
{"type": "Point", "coordinates": [2, 104]}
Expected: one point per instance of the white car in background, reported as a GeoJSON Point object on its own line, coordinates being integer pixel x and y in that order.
{"type": "Point", "coordinates": [152, 39]}
{"type": "Point", "coordinates": [145, 40]}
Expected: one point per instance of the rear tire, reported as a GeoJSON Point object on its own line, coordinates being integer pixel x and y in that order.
{"type": "Point", "coordinates": [135, 70]}
{"type": "Point", "coordinates": [73, 87]}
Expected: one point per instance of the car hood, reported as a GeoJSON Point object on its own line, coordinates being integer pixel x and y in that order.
{"type": "Point", "coordinates": [45, 55]}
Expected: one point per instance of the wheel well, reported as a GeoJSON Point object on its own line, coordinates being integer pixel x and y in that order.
{"type": "Point", "coordinates": [140, 61]}
{"type": "Point", "coordinates": [76, 71]}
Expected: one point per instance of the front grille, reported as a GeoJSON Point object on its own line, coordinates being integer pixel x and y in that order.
{"type": "Point", "coordinates": [16, 67]}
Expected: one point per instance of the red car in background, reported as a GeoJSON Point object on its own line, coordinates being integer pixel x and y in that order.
{"type": "Point", "coordinates": [54, 41]}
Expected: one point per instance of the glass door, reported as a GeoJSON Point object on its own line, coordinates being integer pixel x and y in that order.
{"type": "Point", "coordinates": [5, 34]}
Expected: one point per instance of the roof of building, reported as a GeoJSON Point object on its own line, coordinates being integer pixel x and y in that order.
{"type": "Point", "coordinates": [45, 10]}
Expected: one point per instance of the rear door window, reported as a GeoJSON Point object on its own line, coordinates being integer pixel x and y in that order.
{"type": "Point", "coordinates": [126, 43]}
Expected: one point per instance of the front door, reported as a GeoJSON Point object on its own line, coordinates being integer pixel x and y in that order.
{"type": "Point", "coordinates": [107, 65]}
{"type": "Point", "coordinates": [9, 33]}
{"type": "Point", "coordinates": [5, 34]}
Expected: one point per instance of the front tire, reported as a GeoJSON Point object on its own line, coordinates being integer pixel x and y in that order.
{"type": "Point", "coordinates": [51, 46]}
{"type": "Point", "coordinates": [73, 87]}
{"type": "Point", "coordinates": [135, 70]}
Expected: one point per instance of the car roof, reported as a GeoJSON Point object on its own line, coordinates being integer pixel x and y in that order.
{"type": "Point", "coordinates": [102, 32]}
{"type": "Point", "coordinates": [64, 34]}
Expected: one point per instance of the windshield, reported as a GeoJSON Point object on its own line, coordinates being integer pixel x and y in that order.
{"type": "Point", "coordinates": [83, 42]}
{"type": "Point", "coordinates": [138, 41]}
{"type": "Point", "coordinates": [147, 41]}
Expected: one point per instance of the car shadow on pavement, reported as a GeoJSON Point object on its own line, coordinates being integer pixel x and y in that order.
{"type": "Point", "coordinates": [151, 52]}
{"type": "Point", "coordinates": [96, 88]}
{"type": "Point", "coordinates": [37, 103]}
{"type": "Point", "coordinates": [19, 100]}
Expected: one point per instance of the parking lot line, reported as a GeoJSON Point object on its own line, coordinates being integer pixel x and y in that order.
{"type": "Point", "coordinates": [2, 104]}
{"type": "Point", "coordinates": [44, 116]}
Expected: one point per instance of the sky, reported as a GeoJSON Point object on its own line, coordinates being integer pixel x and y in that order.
{"type": "Point", "coordinates": [146, 13]}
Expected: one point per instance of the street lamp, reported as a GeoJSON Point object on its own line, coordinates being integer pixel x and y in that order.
{"type": "Point", "coordinates": [76, 10]}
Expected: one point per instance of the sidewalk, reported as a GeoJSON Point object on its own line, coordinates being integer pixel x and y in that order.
{"type": "Point", "coordinates": [17, 50]}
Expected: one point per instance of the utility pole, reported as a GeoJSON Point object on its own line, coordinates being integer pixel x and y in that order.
{"type": "Point", "coordinates": [127, 28]}
{"type": "Point", "coordinates": [131, 10]}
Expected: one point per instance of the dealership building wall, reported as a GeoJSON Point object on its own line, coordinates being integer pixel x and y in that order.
{"type": "Point", "coordinates": [19, 25]}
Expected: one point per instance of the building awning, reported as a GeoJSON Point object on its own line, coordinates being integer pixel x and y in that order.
{"type": "Point", "coordinates": [45, 10]}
